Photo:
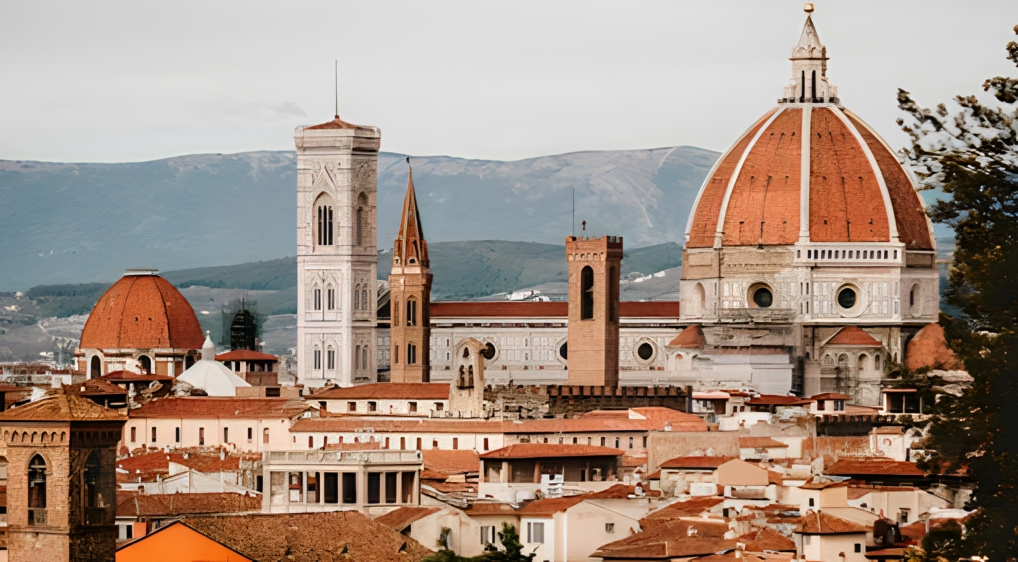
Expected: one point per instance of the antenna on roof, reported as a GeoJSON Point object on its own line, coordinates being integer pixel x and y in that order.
{"type": "Point", "coordinates": [574, 210]}
{"type": "Point", "coordinates": [337, 87]}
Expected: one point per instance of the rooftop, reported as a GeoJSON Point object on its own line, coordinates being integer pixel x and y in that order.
{"type": "Point", "coordinates": [386, 391]}
{"type": "Point", "coordinates": [703, 462]}
{"type": "Point", "coordinates": [62, 407]}
{"type": "Point", "coordinates": [172, 505]}
{"type": "Point", "coordinates": [402, 517]}
{"type": "Point", "coordinates": [873, 466]}
{"type": "Point", "coordinates": [854, 336]}
{"type": "Point", "coordinates": [220, 407]}
{"type": "Point", "coordinates": [820, 523]}
{"type": "Point", "coordinates": [246, 355]}
{"type": "Point", "coordinates": [548, 451]}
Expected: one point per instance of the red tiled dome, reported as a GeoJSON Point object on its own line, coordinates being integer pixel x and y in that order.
{"type": "Point", "coordinates": [856, 189]}
{"type": "Point", "coordinates": [142, 312]}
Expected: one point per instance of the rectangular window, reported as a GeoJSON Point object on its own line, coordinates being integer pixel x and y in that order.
{"type": "Point", "coordinates": [330, 295]}
{"type": "Point", "coordinates": [390, 487]}
{"type": "Point", "coordinates": [372, 406]}
{"type": "Point", "coordinates": [616, 442]}
{"type": "Point", "coordinates": [485, 443]}
{"type": "Point", "coordinates": [349, 487]}
{"type": "Point", "coordinates": [408, 487]}
{"type": "Point", "coordinates": [226, 435]}
{"type": "Point", "coordinates": [439, 406]}
{"type": "Point", "coordinates": [318, 359]}
{"type": "Point", "coordinates": [858, 547]}
{"type": "Point", "coordinates": [402, 443]}
{"type": "Point", "coordinates": [413, 407]}
{"type": "Point", "coordinates": [411, 354]}
{"type": "Point", "coordinates": [411, 313]}
{"type": "Point", "coordinates": [644, 441]}
{"type": "Point", "coordinates": [455, 442]}
{"type": "Point", "coordinates": [153, 435]}
{"type": "Point", "coordinates": [351, 406]}
{"type": "Point", "coordinates": [630, 442]}
{"type": "Point", "coordinates": [330, 358]}
{"type": "Point", "coordinates": [176, 435]}
{"type": "Point", "coordinates": [609, 527]}
{"type": "Point", "coordinates": [487, 534]}
{"type": "Point", "coordinates": [331, 487]}
{"type": "Point", "coordinates": [535, 532]}
{"type": "Point", "coordinates": [374, 487]}
{"type": "Point", "coordinates": [418, 443]}
{"type": "Point", "coordinates": [602, 441]}
{"type": "Point", "coordinates": [201, 436]}
{"type": "Point", "coordinates": [265, 435]}
{"type": "Point", "coordinates": [250, 434]}
{"type": "Point", "coordinates": [134, 434]}
{"type": "Point", "coordinates": [318, 299]}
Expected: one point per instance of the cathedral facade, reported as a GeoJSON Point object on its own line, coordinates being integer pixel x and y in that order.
{"type": "Point", "coordinates": [809, 264]}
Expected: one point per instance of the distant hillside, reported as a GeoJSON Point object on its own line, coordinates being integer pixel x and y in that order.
{"type": "Point", "coordinates": [463, 270]}
{"type": "Point", "coordinates": [82, 223]}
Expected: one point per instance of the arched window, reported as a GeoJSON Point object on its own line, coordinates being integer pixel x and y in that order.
{"type": "Point", "coordinates": [357, 357]}
{"type": "Point", "coordinates": [330, 358]}
{"type": "Point", "coordinates": [701, 298]}
{"type": "Point", "coordinates": [411, 312]}
{"type": "Point", "coordinates": [587, 293]}
{"type": "Point", "coordinates": [325, 225]}
{"type": "Point", "coordinates": [802, 96]}
{"type": "Point", "coordinates": [613, 290]}
{"type": "Point", "coordinates": [364, 299]}
{"type": "Point", "coordinates": [37, 491]}
{"type": "Point", "coordinates": [411, 354]}
{"type": "Point", "coordinates": [470, 376]}
{"type": "Point", "coordinates": [395, 355]}
{"type": "Point", "coordinates": [364, 357]}
{"type": "Point", "coordinates": [94, 500]}
{"type": "Point", "coordinates": [330, 298]}
{"type": "Point", "coordinates": [96, 370]}
{"type": "Point", "coordinates": [318, 358]}
{"type": "Point", "coordinates": [864, 361]}
{"type": "Point", "coordinates": [146, 364]}
{"type": "Point", "coordinates": [318, 298]}
{"type": "Point", "coordinates": [357, 299]}
{"type": "Point", "coordinates": [395, 313]}
{"type": "Point", "coordinates": [362, 200]}
{"type": "Point", "coordinates": [876, 361]}
{"type": "Point", "coordinates": [813, 91]}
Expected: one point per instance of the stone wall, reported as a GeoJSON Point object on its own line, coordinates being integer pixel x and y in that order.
{"type": "Point", "coordinates": [535, 402]}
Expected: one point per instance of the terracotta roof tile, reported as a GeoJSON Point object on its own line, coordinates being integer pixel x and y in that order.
{"type": "Point", "coordinates": [766, 538]}
{"type": "Point", "coordinates": [821, 483]}
{"type": "Point", "coordinates": [386, 391]}
{"type": "Point", "coordinates": [490, 508]}
{"type": "Point", "coordinates": [220, 407]}
{"type": "Point", "coordinates": [551, 506]}
{"type": "Point", "coordinates": [336, 123]}
{"type": "Point", "coordinates": [621, 491]}
{"type": "Point", "coordinates": [693, 507]}
{"type": "Point", "coordinates": [94, 387]}
{"type": "Point", "coordinates": [928, 348]}
{"type": "Point", "coordinates": [712, 194]}
{"type": "Point", "coordinates": [169, 505]}
{"type": "Point", "coordinates": [158, 463]}
{"type": "Point", "coordinates": [584, 424]}
{"type": "Point", "coordinates": [854, 336]}
{"type": "Point", "coordinates": [689, 338]}
{"type": "Point", "coordinates": [348, 424]}
{"type": "Point", "coordinates": [669, 543]}
{"type": "Point", "coordinates": [820, 523]}
{"type": "Point", "coordinates": [246, 355]}
{"type": "Point", "coordinates": [548, 450]}
{"type": "Point", "coordinates": [451, 462]}
{"type": "Point", "coordinates": [62, 407]}
{"type": "Point", "coordinates": [336, 535]}
{"type": "Point", "coordinates": [403, 517]}
{"type": "Point", "coordinates": [695, 462]}
{"type": "Point", "coordinates": [142, 312]}
{"type": "Point", "coordinates": [129, 376]}
{"type": "Point", "coordinates": [777, 400]}
{"type": "Point", "coordinates": [830, 396]}
{"type": "Point", "coordinates": [873, 467]}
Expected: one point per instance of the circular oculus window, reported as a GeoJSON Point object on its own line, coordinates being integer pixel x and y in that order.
{"type": "Point", "coordinates": [645, 351]}
{"type": "Point", "coordinates": [763, 297]}
{"type": "Point", "coordinates": [847, 298]}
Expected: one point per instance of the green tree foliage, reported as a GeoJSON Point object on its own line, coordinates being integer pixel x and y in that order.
{"type": "Point", "coordinates": [969, 150]}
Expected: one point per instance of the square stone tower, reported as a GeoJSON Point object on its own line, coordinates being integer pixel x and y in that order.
{"type": "Point", "coordinates": [337, 252]}
{"type": "Point", "coordinates": [595, 265]}
{"type": "Point", "coordinates": [62, 481]}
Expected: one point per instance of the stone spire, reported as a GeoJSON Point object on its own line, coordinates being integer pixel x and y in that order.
{"type": "Point", "coordinates": [809, 68]}
{"type": "Point", "coordinates": [208, 350]}
{"type": "Point", "coordinates": [410, 247]}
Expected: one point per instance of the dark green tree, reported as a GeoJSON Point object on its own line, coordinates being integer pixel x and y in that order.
{"type": "Point", "coordinates": [512, 548]}
{"type": "Point", "coordinates": [445, 554]}
{"type": "Point", "coordinates": [969, 151]}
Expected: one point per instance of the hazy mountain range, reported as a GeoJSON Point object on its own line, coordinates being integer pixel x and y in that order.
{"type": "Point", "coordinates": [76, 223]}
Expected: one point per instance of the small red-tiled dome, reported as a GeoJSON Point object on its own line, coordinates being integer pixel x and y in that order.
{"type": "Point", "coordinates": [142, 312]}
{"type": "Point", "coordinates": [808, 169]}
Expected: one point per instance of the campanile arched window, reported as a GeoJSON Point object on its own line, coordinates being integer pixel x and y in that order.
{"type": "Point", "coordinates": [37, 491]}
{"type": "Point", "coordinates": [96, 370]}
{"type": "Point", "coordinates": [325, 223]}
{"type": "Point", "coordinates": [587, 293]}
{"type": "Point", "coordinates": [411, 312]}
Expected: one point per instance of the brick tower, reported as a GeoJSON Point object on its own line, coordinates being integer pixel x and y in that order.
{"type": "Point", "coordinates": [594, 268]}
{"type": "Point", "coordinates": [62, 482]}
{"type": "Point", "coordinates": [337, 253]}
{"type": "Point", "coordinates": [410, 296]}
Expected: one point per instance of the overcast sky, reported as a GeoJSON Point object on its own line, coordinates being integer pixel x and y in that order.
{"type": "Point", "coordinates": [129, 81]}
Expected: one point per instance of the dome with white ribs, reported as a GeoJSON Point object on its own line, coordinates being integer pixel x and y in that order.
{"type": "Point", "coordinates": [808, 171]}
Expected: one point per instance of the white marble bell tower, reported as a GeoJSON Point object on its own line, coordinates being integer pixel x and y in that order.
{"type": "Point", "coordinates": [337, 252]}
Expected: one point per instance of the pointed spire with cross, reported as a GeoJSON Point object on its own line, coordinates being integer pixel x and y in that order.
{"type": "Point", "coordinates": [410, 247]}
